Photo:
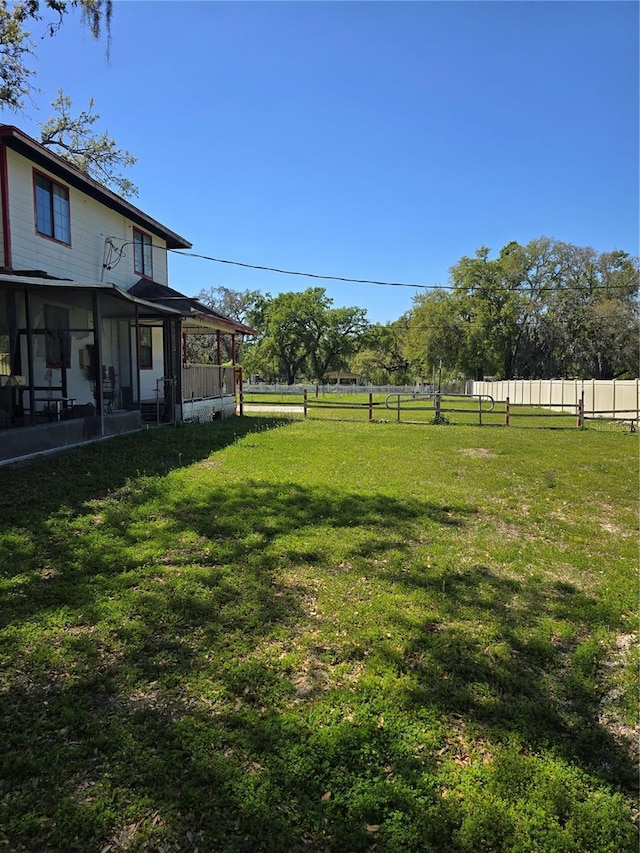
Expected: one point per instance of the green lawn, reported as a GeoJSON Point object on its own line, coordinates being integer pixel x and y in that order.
{"type": "Point", "coordinates": [262, 635]}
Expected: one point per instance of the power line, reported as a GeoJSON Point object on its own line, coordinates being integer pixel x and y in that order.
{"type": "Point", "coordinates": [382, 283]}
{"type": "Point", "coordinates": [309, 274]}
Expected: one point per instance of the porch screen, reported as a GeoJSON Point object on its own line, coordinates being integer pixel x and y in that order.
{"type": "Point", "coordinates": [58, 336]}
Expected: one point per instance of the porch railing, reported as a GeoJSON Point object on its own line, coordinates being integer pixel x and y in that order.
{"type": "Point", "coordinates": [200, 381]}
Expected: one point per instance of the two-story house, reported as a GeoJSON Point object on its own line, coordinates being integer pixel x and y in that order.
{"type": "Point", "coordinates": [91, 335]}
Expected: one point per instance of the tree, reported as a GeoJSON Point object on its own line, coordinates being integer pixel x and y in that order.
{"type": "Point", "coordinates": [291, 323]}
{"type": "Point", "coordinates": [235, 304]}
{"type": "Point", "coordinates": [435, 333]}
{"type": "Point", "coordinates": [337, 338]}
{"type": "Point", "coordinates": [587, 325]}
{"type": "Point", "coordinates": [302, 335]}
{"type": "Point", "coordinates": [16, 45]}
{"type": "Point", "coordinates": [542, 310]}
{"type": "Point", "coordinates": [95, 154]}
{"type": "Point", "coordinates": [72, 138]}
{"type": "Point", "coordinates": [493, 307]}
{"type": "Point", "coordinates": [382, 358]}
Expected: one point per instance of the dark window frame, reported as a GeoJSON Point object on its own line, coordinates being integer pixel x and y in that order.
{"type": "Point", "coordinates": [142, 253]}
{"type": "Point", "coordinates": [50, 221]}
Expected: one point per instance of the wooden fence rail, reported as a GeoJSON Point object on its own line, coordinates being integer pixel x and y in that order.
{"type": "Point", "coordinates": [480, 409]}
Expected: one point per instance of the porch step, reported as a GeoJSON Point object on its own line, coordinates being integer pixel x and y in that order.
{"type": "Point", "coordinates": [149, 412]}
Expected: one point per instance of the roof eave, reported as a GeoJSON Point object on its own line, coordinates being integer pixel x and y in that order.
{"type": "Point", "coordinates": [66, 284]}
{"type": "Point", "coordinates": [217, 324]}
{"type": "Point", "coordinates": [19, 141]}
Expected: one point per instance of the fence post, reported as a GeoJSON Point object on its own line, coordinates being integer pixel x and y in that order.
{"type": "Point", "coordinates": [305, 402]}
{"type": "Point", "coordinates": [370, 406]}
{"type": "Point", "coordinates": [580, 407]}
{"type": "Point", "coordinates": [506, 412]}
{"type": "Point", "coordinates": [479, 409]}
{"type": "Point", "coordinates": [398, 408]}
{"type": "Point", "coordinates": [437, 402]}
{"type": "Point", "coordinates": [613, 400]}
{"type": "Point", "coordinates": [241, 394]}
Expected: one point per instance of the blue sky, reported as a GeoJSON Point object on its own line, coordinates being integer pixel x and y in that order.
{"type": "Point", "coordinates": [370, 140]}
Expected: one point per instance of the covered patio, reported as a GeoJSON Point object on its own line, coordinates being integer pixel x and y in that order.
{"type": "Point", "coordinates": [200, 391]}
{"type": "Point", "coordinates": [69, 361]}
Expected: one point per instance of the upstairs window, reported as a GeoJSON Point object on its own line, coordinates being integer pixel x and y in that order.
{"type": "Point", "coordinates": [142, 258]}
{"type": "Point", "coordinates": [52, 209]}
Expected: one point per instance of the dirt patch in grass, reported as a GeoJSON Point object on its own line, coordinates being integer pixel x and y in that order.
{"type": "Point", "coordinates": [513, 532]}
{"type": "Point", "coordinates": [478, 452]}
{"type": "Point", "coordinates": [612, 717]}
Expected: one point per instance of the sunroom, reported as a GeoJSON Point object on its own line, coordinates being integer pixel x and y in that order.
{"type": "Point", "coordinates": [70, 361]}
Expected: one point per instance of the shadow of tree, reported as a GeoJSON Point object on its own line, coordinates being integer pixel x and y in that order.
{"type": "Point", "coordinates": [70, 478]}
{"type": "Point", "coordinates": [142, 716]}
{"type": "Point", "coordinates": [180, 591]}
{"type": "Point", "coordinates": [488, 657]}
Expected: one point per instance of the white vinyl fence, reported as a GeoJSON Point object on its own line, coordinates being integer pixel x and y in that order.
{"type": "Point", "coordinates": [616, 399]}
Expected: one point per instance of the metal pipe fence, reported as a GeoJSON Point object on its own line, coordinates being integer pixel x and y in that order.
{"type": "Point", "coordinates": [419, 407]}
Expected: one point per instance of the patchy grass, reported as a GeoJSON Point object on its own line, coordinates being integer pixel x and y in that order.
{"type": "Point", "coordinates": [259, 635]}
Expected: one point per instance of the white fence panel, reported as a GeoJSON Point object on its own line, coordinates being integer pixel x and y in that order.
{"type": "Point", "coordinates": [616, 399]}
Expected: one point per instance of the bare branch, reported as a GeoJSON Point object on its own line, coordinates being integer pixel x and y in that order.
{"type": "Point", "coordinates": [95, 154]}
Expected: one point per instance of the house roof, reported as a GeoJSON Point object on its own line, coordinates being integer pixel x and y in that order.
{"type": "Point", "coordinates": [199, 318]}
{"type": "Point", "coordinates": [147, 308]}
{"type": "Point", "coordinates": [19, 141]}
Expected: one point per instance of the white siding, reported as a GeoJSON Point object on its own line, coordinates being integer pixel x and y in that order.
{"type": "Point", "coordinates": [92, 224]}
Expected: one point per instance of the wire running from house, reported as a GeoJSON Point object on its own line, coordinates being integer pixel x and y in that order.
{"type": "Point", "coordinates": [305, 274]}
{"type": "Point", "coordinates": [622, 286]}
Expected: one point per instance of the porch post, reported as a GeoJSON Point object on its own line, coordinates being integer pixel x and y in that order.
{"type": "Point", "coordinates": [97, 340]}
{"type": "Point", "coordinates": [170, 357]}
{"type": "Point", "coordinates": [136, 379]}
{"type": "Point", "coordinates": [218, 347]}
{"type": "Point", "coordinates": [32, 392]}
{"type": "Point", "coordinates": [233, 348]}
{"type": "Point", "coordinates": [178, 398]}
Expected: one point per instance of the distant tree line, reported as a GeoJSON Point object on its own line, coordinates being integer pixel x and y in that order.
{"type": "Point", "coordinates": [542, 310]}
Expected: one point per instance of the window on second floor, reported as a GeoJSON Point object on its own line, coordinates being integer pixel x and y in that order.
{"type": "Point", "coordinates": [142, 254]}
{"type": "Point", "coordinates": [52, 209]}
{"type": "Point", "coordinates": [146, 348]}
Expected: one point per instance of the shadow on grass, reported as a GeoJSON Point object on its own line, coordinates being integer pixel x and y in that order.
{"type": "Point", "coordinates": [488, 657]}
{"type": "Point", "coordinates": [70, 478]}
{"type": "Point", "coordinates": [139, 709]}
{"type": "Point", "coordinates": [131, 685]}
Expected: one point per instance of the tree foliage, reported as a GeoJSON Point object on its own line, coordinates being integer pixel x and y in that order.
{"type": "Point", "coordinates": [94, 153]}
{"type": "Point", "coordinates": [381, 359]}
{"type": "Point", "coordinates": [74, 138]}
{"type": "Point", "coordinates": [234, 304]}
{"type": "Point", "coordinates": [542, 310]}
{"type": "Point", "coordinates": [301, 334]}
{"type": "Point", "coordinates": [16, 44]}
